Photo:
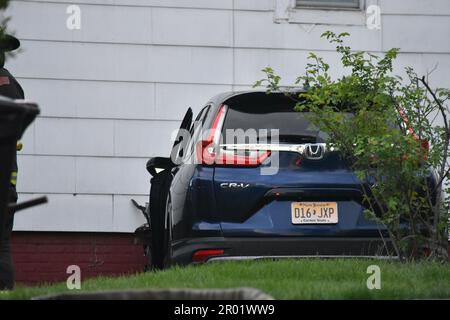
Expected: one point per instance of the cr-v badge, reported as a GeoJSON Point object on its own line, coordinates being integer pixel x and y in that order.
{"type": "Point", "coordinates": [234, 185]}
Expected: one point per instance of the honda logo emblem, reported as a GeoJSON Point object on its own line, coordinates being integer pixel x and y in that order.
{"type": "Point", "coordinates": [314, 151]}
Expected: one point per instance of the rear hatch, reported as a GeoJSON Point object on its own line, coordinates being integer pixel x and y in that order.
{"type": "Point", "coordinates": [274, 191]}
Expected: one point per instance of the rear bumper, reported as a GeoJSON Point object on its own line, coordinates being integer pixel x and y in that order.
{"type": "Point", "coordinates": [292, 247]}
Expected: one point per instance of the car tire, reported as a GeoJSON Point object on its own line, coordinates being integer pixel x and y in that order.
{"type": "Point", "coordinates": [159, 220]}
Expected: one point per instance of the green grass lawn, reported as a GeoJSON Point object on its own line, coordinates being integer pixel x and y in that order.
{"type": "Point", "coordinates": [284, 279]}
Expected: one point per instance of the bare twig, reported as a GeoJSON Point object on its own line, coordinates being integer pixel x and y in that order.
{"type": "Point", "coordinates": [442, 170]}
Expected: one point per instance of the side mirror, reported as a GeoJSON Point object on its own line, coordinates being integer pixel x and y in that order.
{"type": "Point", "coordinates": [157, 164]}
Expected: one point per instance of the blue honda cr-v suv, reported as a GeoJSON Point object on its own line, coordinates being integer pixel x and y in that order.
{"type": "Point", "coordinates": [252, 178]}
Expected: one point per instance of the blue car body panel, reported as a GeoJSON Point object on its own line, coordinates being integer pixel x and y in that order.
{"type": "Point", "coordinates": [208, 213]}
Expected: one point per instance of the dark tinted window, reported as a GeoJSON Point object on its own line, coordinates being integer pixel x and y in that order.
{"type": "Point", "coordinates": [293, 126]}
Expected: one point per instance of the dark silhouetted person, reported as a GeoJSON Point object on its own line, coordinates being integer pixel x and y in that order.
{"type": "Point", "coordinates": [9, 87]}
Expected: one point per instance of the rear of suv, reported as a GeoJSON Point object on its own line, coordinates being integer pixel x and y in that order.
{"type": "Point", "coordinates": [253, 178]}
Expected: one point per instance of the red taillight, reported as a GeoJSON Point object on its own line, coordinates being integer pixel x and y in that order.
{"type": "Point", "coordinates": [208, 151]}
{"type": "Point", "coordinates": [242, 160]}
{"type": "Point", "coordinates": [204, 255]}
{"type": "Point", "coordinates": [424, 144]}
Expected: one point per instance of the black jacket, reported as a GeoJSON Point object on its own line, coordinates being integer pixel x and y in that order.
{"type": "Point", "coordinates": [9, 87]}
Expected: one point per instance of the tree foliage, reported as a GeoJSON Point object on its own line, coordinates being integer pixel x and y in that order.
{"type": "Point", "coordinates": [393, 132]}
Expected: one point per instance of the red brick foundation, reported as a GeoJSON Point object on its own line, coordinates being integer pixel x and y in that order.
{"type": "Point", "coordinates": [41, 257]}
{"type": "Point", "coordinates": [44, 256]}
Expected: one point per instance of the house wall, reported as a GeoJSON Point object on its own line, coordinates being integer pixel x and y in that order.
{"type": "Point", "coordinates": [43, 257]}
{"type": "Point", "coordinates": [112, 92]}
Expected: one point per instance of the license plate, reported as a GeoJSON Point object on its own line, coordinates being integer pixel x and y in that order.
{"type": "Point", "coordinates": [314, 212]}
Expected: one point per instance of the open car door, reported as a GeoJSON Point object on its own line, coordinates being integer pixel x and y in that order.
{"type": "Point", "coordinates": [160, 169]}
{"type": "Point", "coordinates": [158, 164]}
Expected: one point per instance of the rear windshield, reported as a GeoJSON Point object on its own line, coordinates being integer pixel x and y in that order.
{"type": "Point", "coordinates": [293, 126]}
